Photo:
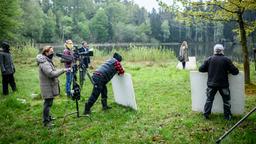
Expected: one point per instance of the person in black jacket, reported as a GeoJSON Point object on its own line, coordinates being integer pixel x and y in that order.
{"type": "Point", "coordinates": [101, 77]}
{"type": "Point", "coordinates": [7, 68]}
{"type": "Point", "coordinates": [218, 67]}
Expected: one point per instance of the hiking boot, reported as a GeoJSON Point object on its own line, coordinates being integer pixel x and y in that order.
{"type": "Point", "coordinates": [105, 105]}
{"type": "Point", "coordinates": [228, 117]}
{"type": "Point", "coordinates": [106, 108]}
{"type": "Point", "coordinates": [206, 117]}
{"type": "Point", "coordinates": [52, 118]}
{"type": "Point", "coordinates": [87, 109]}
{"type": "Point", "coordinates": [49, 125]}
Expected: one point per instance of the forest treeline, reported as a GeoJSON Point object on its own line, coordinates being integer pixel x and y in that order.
{"type": "Point", "coordinates": [100, 21]}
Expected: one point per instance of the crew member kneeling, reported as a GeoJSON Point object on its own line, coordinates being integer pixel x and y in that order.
{"type": "Point", "coordinates": [101, 77]}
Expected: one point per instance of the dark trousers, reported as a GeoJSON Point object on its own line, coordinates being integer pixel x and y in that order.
{"type": "Point", "coordinates": [224, 92]}
{"type": "Point", "coordinates": [46, 110]}
{"type": "Point", "coordinates": [99, 87]}
{"type": "Point", "coordinates": [8, 79]}
{"type": "Point", "coordinates": [183, 64]}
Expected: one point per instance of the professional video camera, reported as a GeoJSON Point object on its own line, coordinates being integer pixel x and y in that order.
{"type": "Point", "coordinates": [75, 93]}
{"type": "Point", "coordinates": [82, 52]}
{"type": "Point", "coordinates": [83, 57]}
{"type": "Point", "coordinates": [78, 55]}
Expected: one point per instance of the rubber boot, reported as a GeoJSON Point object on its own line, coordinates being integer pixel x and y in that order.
{"type": "Point", "coordinates": [87, 109]}
{"type": "Point", "coordinates": [105, 104]}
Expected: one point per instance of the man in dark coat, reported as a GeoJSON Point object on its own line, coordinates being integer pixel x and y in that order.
{"type": "Point", "coordinates": [101, 77]}
{"type": "Point", "coordinates": [218, 67]}
{"type": "Point", "coordinates": [7, 68]}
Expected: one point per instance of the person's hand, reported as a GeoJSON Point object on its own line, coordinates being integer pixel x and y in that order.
{"type": "Point", "coordinates": [91, 67]}
{"type": "Point", "coordinates": [121, 75]}
{"type": "Point", "coordinates": [67, 69]}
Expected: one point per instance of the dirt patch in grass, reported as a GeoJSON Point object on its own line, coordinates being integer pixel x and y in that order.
{"type": "Point", "coordinates": [250, 89]}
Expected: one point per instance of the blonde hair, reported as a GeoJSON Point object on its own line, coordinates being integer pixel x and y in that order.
{"type": "Point", "coordinates": [68, 41]}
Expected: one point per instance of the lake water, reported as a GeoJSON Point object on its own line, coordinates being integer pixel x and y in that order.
{"type": "Point", "coordinates": [200, 50]}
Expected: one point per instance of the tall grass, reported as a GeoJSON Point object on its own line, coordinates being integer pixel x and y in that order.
{"type": "Point", "coordinates": [164, 115]}
{"type": "Point", "coordinates": [137, 54]}
{"type": "Point", "coordinates": [24, 55]}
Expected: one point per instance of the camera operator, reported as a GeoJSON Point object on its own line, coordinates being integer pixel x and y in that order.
{"type": "Point", "coordinates": [86, 59]}
{"type": "Point", "coordinates": [101, 77]}
{"type": "Point", "coordinates": [68, 52]}
{"type": "Point", "coordinates": [49, 83]}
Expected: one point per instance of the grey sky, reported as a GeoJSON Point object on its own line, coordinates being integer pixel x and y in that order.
{"type": "Point", "coordinates": [149, 4]}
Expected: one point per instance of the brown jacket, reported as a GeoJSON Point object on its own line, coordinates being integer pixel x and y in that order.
{"type": "Point", "coordinates": [48, 77]}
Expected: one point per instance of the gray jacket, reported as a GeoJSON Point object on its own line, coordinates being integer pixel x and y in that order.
{"type": "Point", "coordinates": [48, 76]}
{"type": "Point", "coordinates": [184, 53]}
{"type": "Point", "coordinates": [6, 63]}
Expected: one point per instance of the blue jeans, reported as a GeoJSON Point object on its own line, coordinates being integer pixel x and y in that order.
{"type": "Point", "coordinates": [69, 78]}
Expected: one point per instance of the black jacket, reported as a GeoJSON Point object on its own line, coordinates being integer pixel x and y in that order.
{"type": "Point", "coordinates": [218, 68]}
{"type": "Point", "coordinates": [6, 63]}
{"type": "Point", "coordinates": [106, 70]}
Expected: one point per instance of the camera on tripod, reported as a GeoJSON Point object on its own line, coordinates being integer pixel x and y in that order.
{"type": "Point", "coordinates": [83, 55]}
{"type": "Point", "coordinates": [75, 92]}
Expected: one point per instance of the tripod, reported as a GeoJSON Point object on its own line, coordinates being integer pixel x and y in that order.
{"type": "Point", "coordinates": [76, 92]}
{"type": "Point", "coordinates": [240, 121]}
{"type": "Point", "coordinates": [82, 72]}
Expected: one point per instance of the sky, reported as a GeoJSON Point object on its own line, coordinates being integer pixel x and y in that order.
{"type": "Point", "coordinates": [149, 4]}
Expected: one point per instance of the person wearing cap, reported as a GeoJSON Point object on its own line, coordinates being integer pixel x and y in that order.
{"type": "Point", "coordinates": [68, 52]}
{"type": "Point", "coordinates": [49, 83]}
{"type": "Point", "coordinates": [7, 68]}
{"type": "Point", "coordinates": [218, 67]}
{"type": "Point", "coordinates": [101, 77]}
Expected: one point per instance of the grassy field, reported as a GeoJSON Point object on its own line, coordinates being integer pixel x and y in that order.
{"type": "Point", "coordinates": [164, 108]}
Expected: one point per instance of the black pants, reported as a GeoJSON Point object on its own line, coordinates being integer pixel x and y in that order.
{"type": "Point", "coordinates": [46, 110]}
{"type": "Point", "coordinates": [8, 79]}
{"type": "Point", "coordinates": [99, 87]}
{"type": "Point", "coordinates": [183, 64]}
{"type": "Point", "coordinates": [224, 92]}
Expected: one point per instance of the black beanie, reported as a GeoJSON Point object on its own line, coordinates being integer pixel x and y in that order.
{"type": "Point", "coordinates": [117, 57]}
{"type": "Point", "coordinates": [5, 45]}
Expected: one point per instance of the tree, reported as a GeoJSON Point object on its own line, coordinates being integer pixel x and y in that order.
{"type": "Point", "coordinates": [33, 19]}
{"type": "Point", "coordinates": [115, 12]}
{"type": "Point", "coordinates": [49, 28]}
{"type": "Point", "coordinates": [228, 10]}
{"type": "Point", "coordinates": [10, 12]}
{"type": "Point", "coordinates": [155, 23]}
{"type": "Point", "coordinates": [165, 30]}
{"type": "Point", "coordinates": [99, 26]}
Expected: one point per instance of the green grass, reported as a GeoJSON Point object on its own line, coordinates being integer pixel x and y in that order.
{"type": "Point", "coordinates": [164, 112]}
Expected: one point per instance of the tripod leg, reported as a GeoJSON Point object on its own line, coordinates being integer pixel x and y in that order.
{"type": "Point", "coordinates": [240, 121]}
{"type": "Point", "coordinates": [82, 77]}
{"type": "Point", "coordinates": [90, 77]}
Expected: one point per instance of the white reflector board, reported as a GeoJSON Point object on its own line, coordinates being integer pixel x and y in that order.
{"type": "Point", "coordinates": [190, 65]}
{"type": "Point", "coordinates": [198, 83]}
{"type": "Point", "coordinates": [123, 90]}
